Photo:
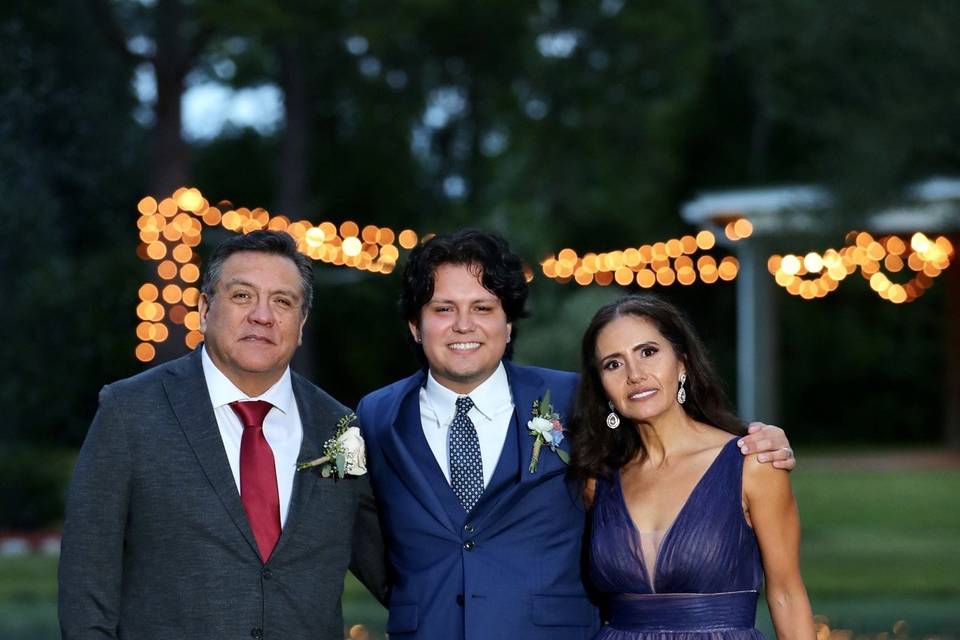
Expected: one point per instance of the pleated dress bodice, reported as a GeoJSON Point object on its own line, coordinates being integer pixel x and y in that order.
{"type": "Point", "coordinates": [706, 570]}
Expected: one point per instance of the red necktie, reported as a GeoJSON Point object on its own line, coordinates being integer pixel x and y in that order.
{"type": "Point", "coordinates": [258, 476]}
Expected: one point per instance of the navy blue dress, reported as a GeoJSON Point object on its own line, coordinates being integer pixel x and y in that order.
{"type": "Point", "coordinates": [707, 571]}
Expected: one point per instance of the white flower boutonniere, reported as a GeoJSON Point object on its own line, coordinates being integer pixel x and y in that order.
{"type": "Point", "coordinates": [343, 454]}
{"type": "Point", "coordinates": [545, 426]}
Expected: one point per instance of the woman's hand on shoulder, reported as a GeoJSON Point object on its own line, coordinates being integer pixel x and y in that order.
{"type": "Point", "coordinates": [770, 442]}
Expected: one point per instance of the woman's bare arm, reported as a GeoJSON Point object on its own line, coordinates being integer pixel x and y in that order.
{"type": "Point", "coordinates": [772, 511]}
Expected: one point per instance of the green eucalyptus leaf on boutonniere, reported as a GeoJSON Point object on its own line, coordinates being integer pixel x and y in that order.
{"type": "Point", "coordinates": [546, 428]}
{"type": "Point", "coordinates": [344, 454]}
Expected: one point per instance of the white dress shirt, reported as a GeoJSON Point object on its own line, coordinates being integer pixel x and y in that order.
{"type": "Point", "coordinates": [282, 427]}
{"type": "Point", "coordinates": [491, 414]}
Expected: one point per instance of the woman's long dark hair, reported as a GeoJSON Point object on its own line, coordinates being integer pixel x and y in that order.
{"type": "Point", "coordinates": [600, 451]}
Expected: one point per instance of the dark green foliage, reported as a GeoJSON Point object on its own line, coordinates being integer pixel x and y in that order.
{"type": "Point", "coordinates": [67, 186]}
{"type": "Point", "coordinates": [854, 370]}
{"type": "Point", "coordinates": [34, 480]}
{"type": "Point", "coordinates": [594, 146]}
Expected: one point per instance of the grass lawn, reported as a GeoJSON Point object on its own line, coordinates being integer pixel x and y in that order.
{"type": "Point", "coordinates": [878, 547]}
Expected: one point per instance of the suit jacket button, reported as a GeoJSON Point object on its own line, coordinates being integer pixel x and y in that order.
{"type": "Point", "coordinates": [469, 545]}
{"type": "Point", "coordinates": [460, 599]}
{"type": "Point", "coordinates": [267, 574]}
{"type": "Point", "coordinates": [256, 633]}
{"type": "Point", "coordinates": [469, 528]}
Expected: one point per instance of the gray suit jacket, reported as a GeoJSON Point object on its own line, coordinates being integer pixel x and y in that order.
{"type": "Point", "coordinates": [156, 543]}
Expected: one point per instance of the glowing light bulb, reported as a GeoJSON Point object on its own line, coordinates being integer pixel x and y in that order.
{"type": "Point", "coordinates": [666, 276]}
{"type": "Point", "coordinates": [646, 278]}
{"type": "Point", "coordinates": [686, 276]}
{"type": "Point", "coordinates": [583, 277]}
{"type": "Point", "coordinates": [603, 278]}
{"type": "Point", "coordinates": [190, 273]}
{"type": "Point", "coordinates": [193, 339]}
{"type": "Point", "coordinates": [773, 264]}
{"type": "Point", "coordinates": [349, 228]}
{"type": "Point", "coordinates": [790, 264]}
{"type": "Point", "coordinates": [352, 246]}
{"type": "Point", "coordinates": [743, 228]}
{"type": "Point", "coordinates": [147, 206]}
{"type": "Point", "coordinates": [148, 292]}
{"type": "Point", "coordinates": [919, 242]}
{"type": "Point", "coordinates": [145, 352]}
{"type": "Point", "coordinates": [369, 234]}
{"type": "Point", "coordinates": [706, 240]}
{"type": "Point", "coordinates": [813, 262]}
{"type": "Point", "coordinates": [408, 239]}
{"type": "Point", "coordinates": [172, 294]}
{"type": "Point", "coordinates": [623, 276]}
{"type": "Point", "coordinates": [314, 237]}
{"type": "Point", "coordinates": [567, 257]}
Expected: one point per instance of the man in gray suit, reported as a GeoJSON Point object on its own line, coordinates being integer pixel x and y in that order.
{"type": "Point", "coordinates": [186, 517]}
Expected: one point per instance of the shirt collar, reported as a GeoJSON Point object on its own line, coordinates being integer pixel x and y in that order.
{"type": "Point", "coordinates": [490, 398]}
{"type": "Point", "coordinates": [223, 391]}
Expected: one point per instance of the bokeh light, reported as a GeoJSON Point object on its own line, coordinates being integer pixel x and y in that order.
{"type": "Point", "coordinates": [171, 228]}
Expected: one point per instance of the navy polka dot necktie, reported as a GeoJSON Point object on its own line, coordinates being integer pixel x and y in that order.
{"type": "Point", "coordinates": [466, 466]}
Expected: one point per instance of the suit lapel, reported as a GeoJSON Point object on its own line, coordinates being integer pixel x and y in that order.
{"type": "Point", "coordinates": [527, 387]}
{"type": "Point", "coordinates": [319, 423]}
{"type": "Point", "coordinates": [395, 438]}
{"type": "Point", "coordinates": [187, 393]}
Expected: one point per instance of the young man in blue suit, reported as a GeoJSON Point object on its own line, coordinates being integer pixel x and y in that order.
{"type": "Point", "coordinates": [482, 543]}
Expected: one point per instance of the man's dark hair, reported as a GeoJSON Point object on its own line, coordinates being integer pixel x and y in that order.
{"type": "Point", "coordinates": [276, 243]}
{"type": "Point", "coordinates": [599, 451]}
{"type": "Point", "coordinates": [499, 269]}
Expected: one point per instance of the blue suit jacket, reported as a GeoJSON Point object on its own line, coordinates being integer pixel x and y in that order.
{"type": "Point", "coordinates": [511, 568]}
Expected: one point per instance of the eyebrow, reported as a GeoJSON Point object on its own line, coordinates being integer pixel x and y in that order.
{"type": "Point", "coordinates": [492, 299]}
{"type": "Point", "coordinates": [636, 347]}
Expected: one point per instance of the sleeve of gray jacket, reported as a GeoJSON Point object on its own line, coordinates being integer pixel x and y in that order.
{"type": "Point", "coordinates": [91, 554]}
{"type": "Point", "coordinates": [369, 561]}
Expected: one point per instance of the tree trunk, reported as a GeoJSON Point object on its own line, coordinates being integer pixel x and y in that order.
{"type": "Point", "coordinates": [292, 162]}
{"type": "Point", "coordinates": [169, 162]}
{"type": "Point", "coordinates": [291, 197]}
{"type": "Point", "coordinates": [169, 157]}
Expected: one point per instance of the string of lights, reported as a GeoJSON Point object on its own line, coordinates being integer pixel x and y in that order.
{"type": "Point", "coordinates": [660, 263]}
{"type": "Point", "coordinates": [171, 228]}
{"type": "Point", "coordinates": [874, 258]}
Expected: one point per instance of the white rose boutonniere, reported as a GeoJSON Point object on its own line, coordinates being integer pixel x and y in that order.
{"type": "Point", "coordinates": [343, 454]}
{"type": "Point", "coordinates": [545, 426]}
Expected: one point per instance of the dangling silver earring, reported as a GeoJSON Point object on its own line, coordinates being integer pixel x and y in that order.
{"type": "Point", "coordinates": [681, 393]}
{"type": "Point", "coordinates": [613, 420]}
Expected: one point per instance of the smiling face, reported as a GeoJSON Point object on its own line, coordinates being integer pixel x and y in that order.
{"type": "Point", "coordinates": [463, 329]}
{"type": "Point", "coordinates": [639, 368]}
{"type": "Point", "coordinates": [253, 323]}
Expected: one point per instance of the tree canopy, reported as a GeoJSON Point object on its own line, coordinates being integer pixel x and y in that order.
{"type": "Point", "coordinates": [558, 123]}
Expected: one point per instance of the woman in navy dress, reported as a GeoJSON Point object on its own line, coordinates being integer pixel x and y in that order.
{"type": "Point", "coordinates": [683, 529]}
